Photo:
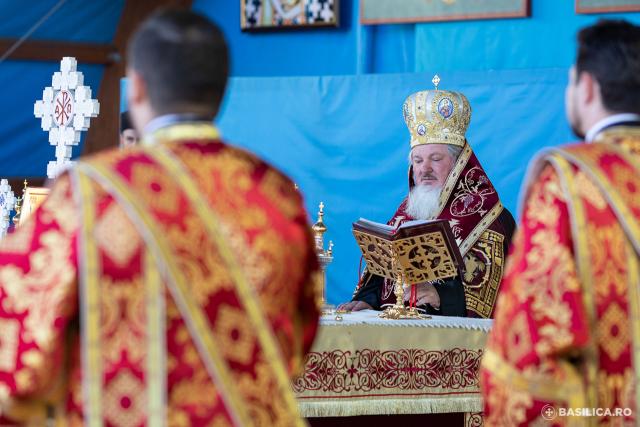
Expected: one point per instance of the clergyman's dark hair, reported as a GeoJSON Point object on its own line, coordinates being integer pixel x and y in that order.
{"type": "Point", "coordinates": [183, 59]}
{"type": "Point", "coordinates": [610, 51]}
{"type": "Point", "coordinates": [125, 121]}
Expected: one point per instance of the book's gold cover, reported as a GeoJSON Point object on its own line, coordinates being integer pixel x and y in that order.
{"type": "Point", "coordinates": [33, 197]}
{"type": "Point", "coordinates": [419, 254]}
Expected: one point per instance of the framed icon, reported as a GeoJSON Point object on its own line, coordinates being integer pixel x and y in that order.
{"type": "Point", "coordinates": [604, 6]}
{"type": "Point", "coordinates": [407, 11]}
{"type": "Point", "coordinates": [287, 14]}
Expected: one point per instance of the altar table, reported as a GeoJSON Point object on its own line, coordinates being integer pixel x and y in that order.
{"type": "Point", "coordinates": [365, 365]}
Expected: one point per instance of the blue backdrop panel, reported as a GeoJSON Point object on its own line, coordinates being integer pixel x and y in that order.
{"type": "Point", "coordinates": [311, 51]}
{"type": "Point", "coordinates": [343, 139]}
{"type": "Point", "coordinates": [25, 148]}
{"type": "Point", "coordinates": [546, 39]}
{"type": "Point", "coordinates": [76, 20]}
{"type": "Point", "coordinates": [349, 49]}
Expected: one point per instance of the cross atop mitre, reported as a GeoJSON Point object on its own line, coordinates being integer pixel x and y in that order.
{"type": "Point", "coordinates": [65, 109]}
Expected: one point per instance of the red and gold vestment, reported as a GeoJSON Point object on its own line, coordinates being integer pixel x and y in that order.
{"type": "Point", "coordinates": [468, 201]}
{"type": "Point", "coordinates": [567, 326]}
{"type": "Point", "coordinates": [481, 226]}
{"type": "Point", "coordinates": [168, 282]}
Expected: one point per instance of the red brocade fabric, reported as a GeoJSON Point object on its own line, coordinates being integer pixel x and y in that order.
{"type": "Point", "coordinates": [566, 332]}
{"type": "Point", "coordinates": [264, 225]}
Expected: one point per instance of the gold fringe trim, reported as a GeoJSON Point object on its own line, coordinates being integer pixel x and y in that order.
{"type": "Point", "coordinates": [388, 406]}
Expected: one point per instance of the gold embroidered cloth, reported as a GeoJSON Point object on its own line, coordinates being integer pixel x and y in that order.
{"type": "Point", "coordinates": [188, 267]}
{"type": "Point", "coordinates": [365, 365]}
{"type": "Point", "coordinates": [567, 327]}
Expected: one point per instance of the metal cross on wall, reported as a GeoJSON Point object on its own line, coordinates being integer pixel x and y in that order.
{"type": "Point", "coordinates": [65, 109]}
{"type": "Point", "coordinates": [7, 203]}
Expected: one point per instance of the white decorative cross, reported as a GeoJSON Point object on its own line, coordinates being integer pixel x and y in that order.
{"type": "Point", "coordinates": [65, 110]}
{"type": "Point", "coordinates": [436, 81]}
{"type": "Point", "coordinates": [7, 203]}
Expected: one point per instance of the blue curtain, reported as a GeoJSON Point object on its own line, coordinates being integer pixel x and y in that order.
{"type": "Point", "coordinates": [342, 139]}
{"type": "Point", "coordinates": [24, 147]}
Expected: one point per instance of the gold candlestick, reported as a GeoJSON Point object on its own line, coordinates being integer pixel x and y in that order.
{"type": "Point", "coordinates": [324, 257]}
{"type": "Point", "coordinates": [398, 310]}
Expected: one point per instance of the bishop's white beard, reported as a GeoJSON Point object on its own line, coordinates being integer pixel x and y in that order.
{"type": "Point", "coordinates": [423, 201]}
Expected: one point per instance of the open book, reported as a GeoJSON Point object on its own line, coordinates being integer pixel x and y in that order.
{"type": "Point", "coordinates": [419, 251]}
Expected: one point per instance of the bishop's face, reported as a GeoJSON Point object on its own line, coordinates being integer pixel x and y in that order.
{"type": "Point", "coordinates": [432, 164]}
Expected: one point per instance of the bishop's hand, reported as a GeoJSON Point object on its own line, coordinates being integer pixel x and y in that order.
{"type": "Point", "coordinates": [354, 306]}
{"type": "Point", "coordinates": [426, 293]}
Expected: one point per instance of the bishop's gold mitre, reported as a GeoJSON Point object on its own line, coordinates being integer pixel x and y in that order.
{"type": "Point", "coordinates": [437, 116]}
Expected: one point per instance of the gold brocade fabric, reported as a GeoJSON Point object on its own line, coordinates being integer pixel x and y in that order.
{"type": "Point", "coordinates": [187, 266]}
{"type": "Point", "coordinates": [567, 329]}
{"type": "Point", "coordinates": [365, 365]}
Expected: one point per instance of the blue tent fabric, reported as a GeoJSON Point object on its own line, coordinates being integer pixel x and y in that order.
{"type": "Point", "coordinates": [342, 139]}
{"type": "Point", "coordinates": [24, 147]}
{"type": "Point", "coordinates": [546, 39]}
{"type": "Point", "coordinates": [341, 136]}
{"type": "Point", "coordinates": [75, 21]}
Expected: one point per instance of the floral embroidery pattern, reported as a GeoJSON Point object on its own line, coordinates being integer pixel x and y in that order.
{"type": "Point", "coordinates": [367, 370]}
{"type": "Point", "coordinates": [469, 199]}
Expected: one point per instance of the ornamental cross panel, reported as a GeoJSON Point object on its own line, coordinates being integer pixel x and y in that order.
{"type": "Point", "coordinates": [7, 203]}
{"type": "Point", "coordinates": [65, 109]}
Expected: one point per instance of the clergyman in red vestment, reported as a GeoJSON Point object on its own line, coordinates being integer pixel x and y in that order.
{"type": "Point", "coordinates": [565, 346]}
{"type": "Point", "coordinates": [446, 181]}
{"type": "Point", "coordinates": [165, 284]}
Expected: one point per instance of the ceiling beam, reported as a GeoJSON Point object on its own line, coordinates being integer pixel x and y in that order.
{"type": "Point", "coordinates": [53, 50]}
{"type": "Point", "coordinates": [104, 130]}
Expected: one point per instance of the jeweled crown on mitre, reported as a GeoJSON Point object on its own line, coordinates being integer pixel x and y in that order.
{"type": "Point", "coordinates": [437, 116]}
